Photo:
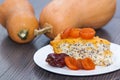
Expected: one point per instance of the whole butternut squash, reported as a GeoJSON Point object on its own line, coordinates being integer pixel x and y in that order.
{"type": "Point", "coordinates": [61, 14]}
{"type": "Point", "coordinates": [17, 16]}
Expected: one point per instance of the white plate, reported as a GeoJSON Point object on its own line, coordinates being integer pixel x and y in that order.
{"type": "Point", "coordinates": [41, 55]}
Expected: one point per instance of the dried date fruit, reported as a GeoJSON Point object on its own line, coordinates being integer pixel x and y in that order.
{"type": "Point", "coordinates": [56, 60]}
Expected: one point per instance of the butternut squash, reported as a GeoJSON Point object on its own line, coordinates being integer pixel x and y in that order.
{"type": "Point", "coordinates": [17, 16]}
{"type": "Point", "coordinates": [61, 14]}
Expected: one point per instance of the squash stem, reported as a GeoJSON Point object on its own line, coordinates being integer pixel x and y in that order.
{"type": "Point", "coordinates": [23, 34]}
{"type": "Point", "coordinates": [42, 31]}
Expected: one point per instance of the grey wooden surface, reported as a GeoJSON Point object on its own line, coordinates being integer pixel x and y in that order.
{"type": "Point", "coordinates": [16, 61]}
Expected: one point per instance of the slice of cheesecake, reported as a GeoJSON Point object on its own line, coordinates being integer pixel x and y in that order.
{"type": "Point", "coordinates": [97, 49]}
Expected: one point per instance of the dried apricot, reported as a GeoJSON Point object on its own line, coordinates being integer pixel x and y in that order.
{"type": "Point", "coordinates": [88, 64]}
{"type": "Point", "coordinates": [87, 33]}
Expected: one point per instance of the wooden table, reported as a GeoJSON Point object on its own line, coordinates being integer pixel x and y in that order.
{"type": "Point", "coordinates": [16, 60]}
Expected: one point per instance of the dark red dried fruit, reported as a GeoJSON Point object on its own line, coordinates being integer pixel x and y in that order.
{"type": "Point", "coordinates": [56, 60]}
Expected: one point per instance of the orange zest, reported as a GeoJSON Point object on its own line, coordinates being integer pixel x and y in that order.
{"type": "Point", "coordinates": [87, 64]}
{"type": "Point", "coordinates": [87, 33]}
{"type": "Point", "coordinates": [71, 63]}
